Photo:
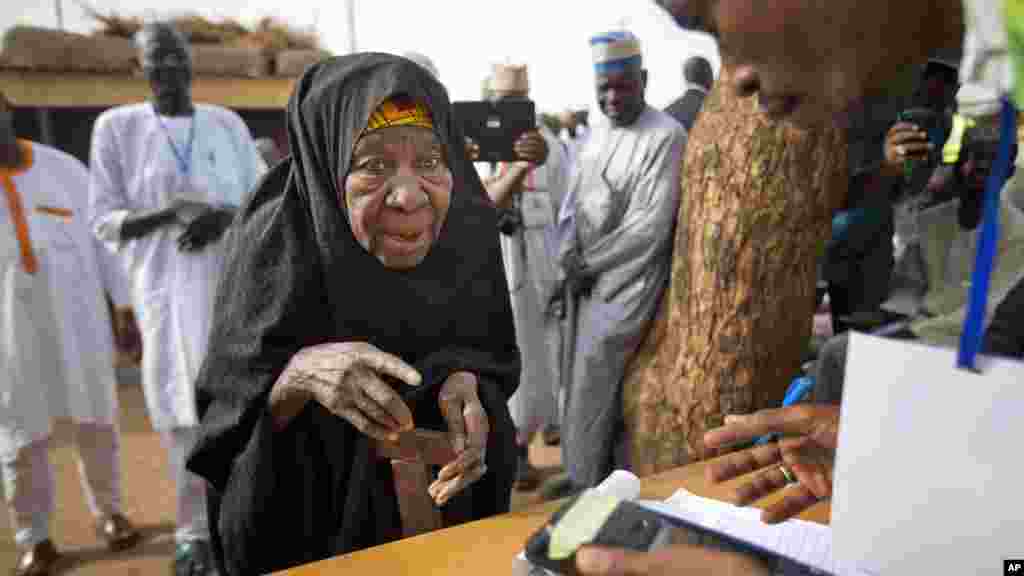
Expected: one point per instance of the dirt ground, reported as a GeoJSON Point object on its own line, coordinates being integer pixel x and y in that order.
{"type": "Point", "coordinates": [148, 499]}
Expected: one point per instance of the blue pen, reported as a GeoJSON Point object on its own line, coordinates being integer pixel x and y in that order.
{"type": "Point", "coordinates": [797, 391]}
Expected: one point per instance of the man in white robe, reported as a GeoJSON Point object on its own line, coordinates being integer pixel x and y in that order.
{"type": "Point", "coordinates": [56, 346]}
{"type": "Point", "coordinates": [531, 190]}
{"type": "Point", "coordinates": [615, 230]}
{"type": "Point", "coordinates": [167, 178]}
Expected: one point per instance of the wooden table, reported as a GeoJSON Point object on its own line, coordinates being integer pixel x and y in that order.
{"type": "Point", "coordinates": [489, 546]}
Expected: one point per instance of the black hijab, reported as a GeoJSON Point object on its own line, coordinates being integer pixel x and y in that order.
{"type": "Point", "coordinates": [296, 276]}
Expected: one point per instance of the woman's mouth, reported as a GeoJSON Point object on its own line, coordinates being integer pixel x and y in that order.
{"type": "Point", "coordinates": [404, 242]}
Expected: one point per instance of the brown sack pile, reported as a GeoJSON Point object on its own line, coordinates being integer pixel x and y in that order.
{"type": "Point", "coordinates": [228, 48]}
{"type": "Point", "coordinates": [221, 60]}
{"type": "Point", "coordinates": [295, 62]}
{"type": "Point", "coordinates": [32, 48]}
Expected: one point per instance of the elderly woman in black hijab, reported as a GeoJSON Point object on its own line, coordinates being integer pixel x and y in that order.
{"type": "Point", "coordinates": [364, 294]}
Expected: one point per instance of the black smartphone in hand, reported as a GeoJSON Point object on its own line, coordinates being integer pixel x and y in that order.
{"type": "Point", "coordinates": [495, 126]}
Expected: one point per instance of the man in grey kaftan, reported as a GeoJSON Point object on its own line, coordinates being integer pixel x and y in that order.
{"type": "Point", "coordinates": [615, 234]}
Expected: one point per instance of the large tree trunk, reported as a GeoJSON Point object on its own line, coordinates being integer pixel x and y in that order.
{"type": "Point", "coordinates": [736, 319]}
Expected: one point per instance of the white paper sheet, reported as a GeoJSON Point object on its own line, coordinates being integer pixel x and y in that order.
{"type": "Point", "coordinates": [807, 543]}
{"type": "Point", "coordinates": [929, 474]}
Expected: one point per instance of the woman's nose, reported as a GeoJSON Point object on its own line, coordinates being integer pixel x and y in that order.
{"type": "Point", "coordinates": [746, 82]}
{"type": "Point", "coordinates": [406, 194]}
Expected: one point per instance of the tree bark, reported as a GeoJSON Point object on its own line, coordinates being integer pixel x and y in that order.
{"type": "Point", "coordinates": [756, 207]}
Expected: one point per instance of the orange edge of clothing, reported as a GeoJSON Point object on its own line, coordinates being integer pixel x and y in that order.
{"type": "Point", "coordinates": [17, 208]}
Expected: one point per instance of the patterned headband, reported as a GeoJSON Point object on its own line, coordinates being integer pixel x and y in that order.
{"type": "Point", "coordinates": [400, 111]}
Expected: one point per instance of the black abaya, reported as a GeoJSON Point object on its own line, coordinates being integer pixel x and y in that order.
{"type": "Point", "coordinates": [296, 277]}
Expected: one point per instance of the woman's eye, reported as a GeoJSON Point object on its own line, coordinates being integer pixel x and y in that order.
{"type": "Point", "coordinates": [374, 166]}
{"type": "Point", "coordinates": [429, 163]}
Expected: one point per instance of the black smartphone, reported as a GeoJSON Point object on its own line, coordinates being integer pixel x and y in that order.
{"type": "Point", "coordinates": [626, 525]}
{"type": "Point", "coordinates": [495, 126]}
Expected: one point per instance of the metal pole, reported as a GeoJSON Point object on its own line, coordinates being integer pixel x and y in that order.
{"type": "Point", "coordinates": [351, 26]}
{"type": "Point", "coordinates": [59, 5]}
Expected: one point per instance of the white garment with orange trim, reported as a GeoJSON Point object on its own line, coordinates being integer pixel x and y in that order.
{"type": "Point", "coordinates": [56, 350]}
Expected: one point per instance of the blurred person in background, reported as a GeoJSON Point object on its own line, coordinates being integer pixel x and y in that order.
{"type": "Point", "coordinates": [615, 233]}
{"type": "Point", "coordinates": [528, 195]}
{"type": "Point", "coordinates": [167, 177]}
{"type": "Point", "coordinates": [57, 349]}
{"type": "Point", "coordinates": [699, 77]}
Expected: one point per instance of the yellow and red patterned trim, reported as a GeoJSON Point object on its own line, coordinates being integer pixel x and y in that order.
{"type": "Point", "coordinates": [400, 111]}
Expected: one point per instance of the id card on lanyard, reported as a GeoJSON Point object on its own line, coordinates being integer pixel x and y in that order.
{"type": "Point", "coordinates": [183, 159]}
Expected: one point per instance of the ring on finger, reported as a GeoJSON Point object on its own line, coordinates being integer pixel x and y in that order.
{"type": "Point", "coordinates": [788, 474]}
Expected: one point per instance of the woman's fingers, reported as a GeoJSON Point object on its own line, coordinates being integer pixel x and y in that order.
{"type": "Point", "coordinates": [443, 491]}
{"type": "Point", "coordinates": [478, 428]}
{"type": "Point", "coordinates": [466, 461]}
{"type": "Point", "coordinates": [384, 363]}
{"type": "Point", "coordinates": [451, 409]}
{"type": "Point", "coordinates": [374, 389]}
{"type": "Point", "coordinates": [372, 410]}
{"type": "Point", "coordinates": [364, 424]}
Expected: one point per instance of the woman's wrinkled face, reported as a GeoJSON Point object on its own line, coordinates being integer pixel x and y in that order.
{"type": "Point", "coordinates": [397, 193]}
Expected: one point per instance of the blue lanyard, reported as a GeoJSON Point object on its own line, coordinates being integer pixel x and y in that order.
{"type": "Point", "coordinates": [988, 238]}
{"type": "Point", "coordinates": [184, 158]}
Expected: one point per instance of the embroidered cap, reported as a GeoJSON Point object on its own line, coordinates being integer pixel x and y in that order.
{"type": "Point", "coordinates": [614, 51]}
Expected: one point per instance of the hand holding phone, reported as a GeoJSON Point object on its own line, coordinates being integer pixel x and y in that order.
{"type": "Point", "coordinates": [495, 127]}
{"type": "Point", "coordinates": [910, 138]}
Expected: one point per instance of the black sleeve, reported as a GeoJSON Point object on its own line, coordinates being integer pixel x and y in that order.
{"type": "Point", "coordinates": [261, 495]}
{"type": "Point", "coordinates": [1005, 335]}
{"type": "Point", "coordinates": [255, 473]}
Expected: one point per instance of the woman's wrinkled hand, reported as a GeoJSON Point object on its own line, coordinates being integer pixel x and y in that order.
{"type": "Point", "coordinates": [468, 427]}
{"type": "Point", "coordinates": [807, 447]}
{"type": "Point", "coordinates": [346, 378]}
